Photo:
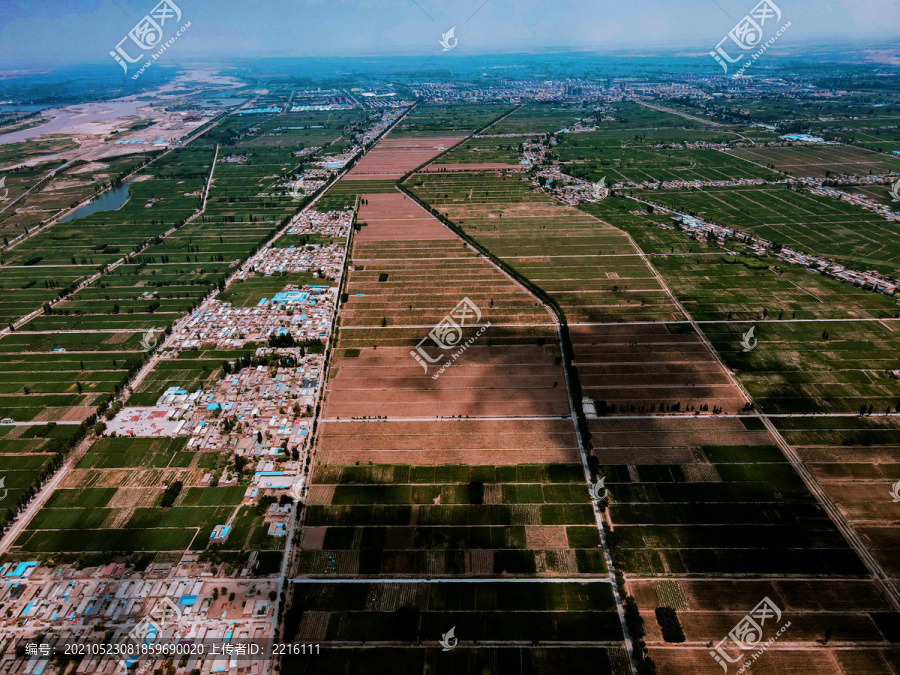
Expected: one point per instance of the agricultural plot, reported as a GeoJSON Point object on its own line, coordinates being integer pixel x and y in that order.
{"type": "Point", "coordinates": [398, 520]}
{"type": "Point", "coordinates": [815, 366]}
{"type": "Point", "coordinates": [590, 268]}
{"type": "Point", "coordinates": [807, 113]}
{"type": "Point", "coordinates": [165, 194]}
{"type": "Point", "coordinates": [446, 442]}
{"type": "Point", "coordinates": [410, 272]}
{"type": "Point", "coordinates": [855, 460]}
{"type": "Point", "coordinates": [583, 159]}
{"type": "Point", "coordinates": [344, 193]}
{"type": "Point", "coordinates": [819, 161]}
{"type": "Point", "coordinates": [295, 131]}
{"type": "Point", "coordinates": [48, 144]}
{"type": "Point", "coordinates": [714, 285]}
{"type": "Point", "coordinates": [436, 119]}
{"type": "Point", "coordinates": [68, 188]}
{"type": "Point", "coordinates": [112, 503]}
{"type": "Point", "coordinates": [24, 289]}
{"type": "Point", "coordinates": [877, 140]}
{"type": "Point", "coordinates": [538, 118]}
{"type": "Point", "coordinates": [877, 193]}
{"type": "Point", "coordinates": [507, 613]}
{"type": "Point", "coordinates": [47, 386]}
{"type": "Point", "coordinates": [409, 480]}
{"type": "Point", "coordinates": [654, 537]}
{"type": "Point", "coordinates": [651, 368]}
{"type": "Point", "coordinates": [18, 181]}
{"type": "Point", "coordinates": [829, 626]}
{"type": "Point", "coordinates": [394, 156]}
{"type": "Point", "coordinates": [816, 225]}
{"type": "Point", "coordinates": [689, 499]}
{"type": "Point", "coordinates": [28, 455]}
{"type": "Point", "coordinates": [483, 151]}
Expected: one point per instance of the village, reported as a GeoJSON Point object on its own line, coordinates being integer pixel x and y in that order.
{"type": "Point", "coordinates": [259, 413]}
{"type": "Point", "coordinates": [183, 603]}
{"type": "Point", "coordinates": [574, 191]}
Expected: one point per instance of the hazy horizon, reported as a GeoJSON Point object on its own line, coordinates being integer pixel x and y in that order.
{"type": "Point", "coordinates": [40, 33]}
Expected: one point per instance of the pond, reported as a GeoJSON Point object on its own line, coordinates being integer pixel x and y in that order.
{"type": "Point", "coordinates": [108, 201]}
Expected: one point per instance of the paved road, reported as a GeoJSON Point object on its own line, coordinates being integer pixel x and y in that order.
{"type": "Point", "coordinates": [44, 494]}
{"type": "Point", "coordinates": [620, 608]}
{"type": "Point", "coordinates": [675, 112]}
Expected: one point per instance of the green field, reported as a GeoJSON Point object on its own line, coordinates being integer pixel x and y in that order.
{"type": "Point", "coordinates": [810, 224]}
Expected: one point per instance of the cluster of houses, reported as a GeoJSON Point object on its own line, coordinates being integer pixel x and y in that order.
{"type": "Point", "coordinates": [869, 279]}
{"type": "Point", "coordinates": [861, 201]}
{"type": "Point", "coordinates": [331, 224]}
{"type": "Point", "coordinates": [163, 604]}
{"type": "Point", "coordinates": [304, 313]}
{"type": "Point", "coordinates": [324, 262]}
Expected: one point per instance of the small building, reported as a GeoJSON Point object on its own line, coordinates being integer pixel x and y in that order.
{"type": "Point", "coordinates": [219, 534]}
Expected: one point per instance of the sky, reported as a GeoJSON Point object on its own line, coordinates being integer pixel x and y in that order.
{"type": "Point", "coordinates": [45, 32]}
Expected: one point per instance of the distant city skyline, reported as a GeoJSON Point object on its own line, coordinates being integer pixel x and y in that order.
{"type": "Point", "coordinates": [47, 32]}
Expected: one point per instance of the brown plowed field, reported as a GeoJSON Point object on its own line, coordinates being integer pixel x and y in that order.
{"type": "Point", "coordinates": [651, 364]}
{"type": "Point", "coordinates": [394, 216]}
{"type": "Point", "coordinates": [448, 442]}
{"type": "Point", "coordinates": [410, 273]}
{"type": "Point", "coordinates": [714, 607]}
{"type": "Point", "coordinates": [697, 661]}
{"type": "Point", "coordinates": [391, 158]}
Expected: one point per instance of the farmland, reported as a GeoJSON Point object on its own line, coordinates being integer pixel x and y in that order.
{"type": "Point", "coordinates": [502, 402]}
{"type": "Point", "coordinates": [555, 246]}
{"type": "Point", "coordinates": [436, 119]}
{"type": "Point", "coordinates": [820, 162]}
{"type": "Point", "coordinates": [665, 470]}
{"type": "Point", "coordinates": [190, 218]}
{"type": "Point", "coordinates": [400, 486]}
{"type": "Point", "coordinates": [826, 227]}
{"type": "Point", "coordinates": [537, 118]}
{"type": "Point", "coordinates": [590, 161]}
